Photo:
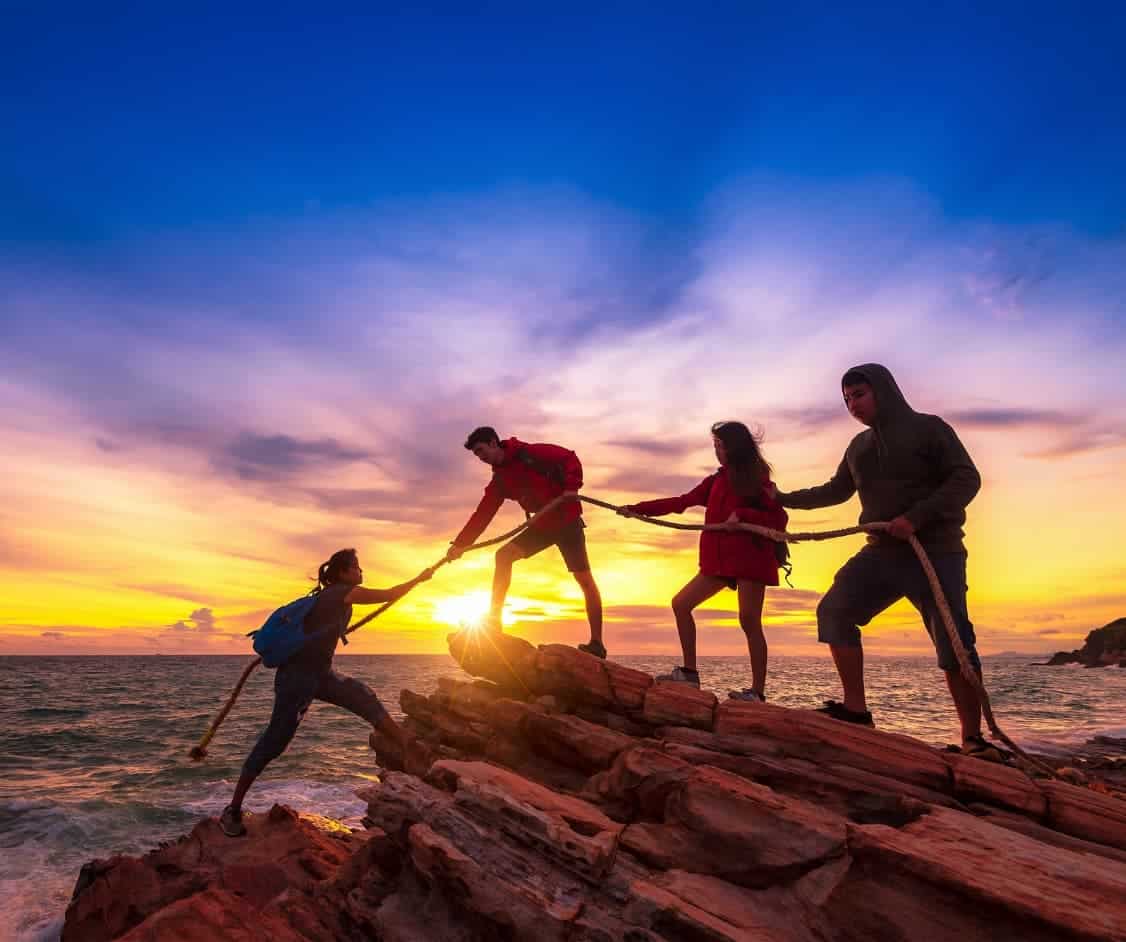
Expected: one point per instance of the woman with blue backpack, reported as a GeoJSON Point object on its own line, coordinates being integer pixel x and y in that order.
{"type": "Point", "coordinates": [307, 675]}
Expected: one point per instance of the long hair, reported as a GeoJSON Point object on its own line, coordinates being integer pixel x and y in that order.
{"type": "Point", "coordinates": [748, 469]}
{"type": "Point", "coordinates": [330, 570]}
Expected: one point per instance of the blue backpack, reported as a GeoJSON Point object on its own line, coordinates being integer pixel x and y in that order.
{"type": "Point", "coordinates": [282, 635]}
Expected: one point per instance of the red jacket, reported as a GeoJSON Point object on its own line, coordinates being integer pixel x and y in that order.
{"type": "Point", "coordinates": [521, 477]}
{"type": "Point", "coordinates": [729, 555]}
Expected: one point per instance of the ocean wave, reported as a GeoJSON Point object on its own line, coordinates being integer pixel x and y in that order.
{"type": "Point", "coordinates": [45, 712]}
{"type": "Point", "coordinates": [332, 799]}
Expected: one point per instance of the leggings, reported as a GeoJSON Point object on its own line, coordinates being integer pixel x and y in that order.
{"type": "Point", "coordinates": [295, 688]}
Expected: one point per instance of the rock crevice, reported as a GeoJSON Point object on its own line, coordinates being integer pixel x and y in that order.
{"type": "Point", "coordinates": [574, 799]}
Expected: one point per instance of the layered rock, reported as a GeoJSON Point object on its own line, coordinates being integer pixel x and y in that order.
{"type": "Point", "coordinates": [1102, 647]}
{"type": "Point", "coordinates": [575, 799]}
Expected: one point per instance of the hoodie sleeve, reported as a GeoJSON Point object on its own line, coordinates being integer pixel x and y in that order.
{"type": "Point", "coordinates": [483, 515]}
{"type": "Point", "coordinates": [566, 459]}
{"type": "Point", "coordinates": [960, 480]}
{"type": "Point", "coordinates": [839, 488]}
{"type": "Point", "coordinates": [697, 497]}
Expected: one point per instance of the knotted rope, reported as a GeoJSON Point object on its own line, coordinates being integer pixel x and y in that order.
{"type": "Point", "coordinates": [972, 676]}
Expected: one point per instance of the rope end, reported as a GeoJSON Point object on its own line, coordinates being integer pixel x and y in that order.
{"type": "Point", "coordinates": [197, 753]}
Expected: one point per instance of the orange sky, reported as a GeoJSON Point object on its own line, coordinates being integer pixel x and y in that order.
{"type": "Point", "coordinates": [176, 471]}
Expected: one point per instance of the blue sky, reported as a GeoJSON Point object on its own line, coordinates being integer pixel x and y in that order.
{"type": "Point", "coordinates": [266, 268]}
{"type": "Point", "coordinates": [129, 118]}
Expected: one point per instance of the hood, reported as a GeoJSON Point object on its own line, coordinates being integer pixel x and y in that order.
{"type": "Point", "coordinates": [513, 445]}
{"type": "Point", "coordinates": [890, 402]}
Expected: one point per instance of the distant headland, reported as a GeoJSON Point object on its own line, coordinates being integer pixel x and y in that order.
{"type": "Point", "coordinates": [1103, 647]}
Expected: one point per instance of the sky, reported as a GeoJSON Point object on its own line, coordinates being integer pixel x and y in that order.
{"type": "Point", "coordinates": [261, 271]}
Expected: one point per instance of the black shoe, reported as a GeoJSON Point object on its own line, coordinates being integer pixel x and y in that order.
{"type": "Point", "coordinates": [839, 711]}
{"type": "Point", "coordinates": [981, 748]}
{"type": "Point", "coordinates": [597, 648]}
{"type": "Point", "coordinates": [230, 821]}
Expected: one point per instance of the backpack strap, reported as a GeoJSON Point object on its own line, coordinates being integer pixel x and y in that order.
{"type": "Point", "coordinates": [551, 470]}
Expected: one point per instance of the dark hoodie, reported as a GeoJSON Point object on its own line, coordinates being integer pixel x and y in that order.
{"type": "Point", "coordinates": [907, 464]}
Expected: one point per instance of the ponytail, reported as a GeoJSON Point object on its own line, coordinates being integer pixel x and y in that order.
{"type": "Point", "coordinates": [330, 570]}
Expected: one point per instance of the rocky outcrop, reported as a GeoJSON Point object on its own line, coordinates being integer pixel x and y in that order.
{"type": "Point", "coordinates": [574, 799]}
{"type": "Point", "coordinates": [207, 886]}
{"type": "Point", "coordinates": [1102, 647]}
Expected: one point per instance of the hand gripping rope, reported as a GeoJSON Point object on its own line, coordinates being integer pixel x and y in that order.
{"type": "Point", "coordinates": [972, 676]}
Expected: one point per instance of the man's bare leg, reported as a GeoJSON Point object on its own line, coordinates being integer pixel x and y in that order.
{"type": "Point", "coordinates": [593, 599]}
{"type": "Point", "coordinates": [965, 702]}
{"type": "Point", "coordinates": [850, 668]}
{"type": "Point", "coordinates": [502, 579]}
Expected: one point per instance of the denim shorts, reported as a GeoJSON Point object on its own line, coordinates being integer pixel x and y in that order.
{"type": "Point", "coordinates": [878, 576]}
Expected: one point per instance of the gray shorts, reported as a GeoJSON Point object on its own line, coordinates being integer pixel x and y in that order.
{"type": "Point", "coordinates": [876, 577]}
{"type": "Point", "coordinates": [569, 538]}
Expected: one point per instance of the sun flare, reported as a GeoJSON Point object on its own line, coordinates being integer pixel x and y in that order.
{"type": "Point", "coordinates": [462, 611]}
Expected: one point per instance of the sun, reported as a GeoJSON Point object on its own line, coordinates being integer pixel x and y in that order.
{"type": "Point", "coordinates": [463, 611]}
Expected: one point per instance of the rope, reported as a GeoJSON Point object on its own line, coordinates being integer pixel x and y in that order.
{"type": "Point", "coordinates": [199, 751]}
{"type": "Point", "coordinates": [973, 678]}
{"type": "Point", "coordinates": [781, 536]}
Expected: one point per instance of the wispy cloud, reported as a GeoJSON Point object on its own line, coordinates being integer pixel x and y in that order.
{"type": "Point", "coordinates": [268, 457]}
{"type": "Point", "coordinates": [230, 411]}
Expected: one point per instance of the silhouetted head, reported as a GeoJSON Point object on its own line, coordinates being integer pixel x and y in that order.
{"type": "Point", "coordinates": [859, 397]}
{"type": "Point", "coordinates": [738, 451]}
{"type": "Point", "coordinates": [341, 566]}
{"type": "Point", "coordinates": [485, 444]}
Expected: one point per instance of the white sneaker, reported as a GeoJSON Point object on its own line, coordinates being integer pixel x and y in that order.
{"type": "Point", "coordinates": [682, 675]}
{"type": "Point", "coordinates": [748, 695]}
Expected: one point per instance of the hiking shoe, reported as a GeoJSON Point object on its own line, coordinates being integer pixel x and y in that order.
{"type": "Point", "coordinates": [682, 675]}
{"type": "Point", "coordinates": [981, 748]}
{"type": "Point", "coordinates": [747, 694]}
{"type": "Point", "coordinates": [597, 648]}
{"type": "Point", "coordinates": [230, 821]}
{"type": "Point", "coordinates": [839, 711]}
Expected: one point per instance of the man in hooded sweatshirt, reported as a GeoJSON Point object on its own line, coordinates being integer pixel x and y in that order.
{"type": "Point", "coordinates": [911, 470]}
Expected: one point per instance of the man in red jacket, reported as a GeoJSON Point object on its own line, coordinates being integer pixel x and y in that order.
{"type": "Point", "coordinates": [533, 475]}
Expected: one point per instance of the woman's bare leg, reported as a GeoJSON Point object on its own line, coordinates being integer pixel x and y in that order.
{"type": "Point", "coordinates": [699, 589]}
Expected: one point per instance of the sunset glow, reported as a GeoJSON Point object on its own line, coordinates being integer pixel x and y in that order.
{"type": "Point", "coordinates": [231, 349]}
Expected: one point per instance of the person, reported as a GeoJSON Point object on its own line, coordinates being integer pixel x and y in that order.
{"type": "Point", "coordinates": [911, 470]}
{"type": "Point", "coordinates": [533, 475]}
{"type": "Point", "coordinates": [308, 676]}
{"type": "Point", "coordinates": [740, 491]}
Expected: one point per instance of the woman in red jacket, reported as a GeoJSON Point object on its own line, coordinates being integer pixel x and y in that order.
{"type": "Point", "coordinates": [739, 492]}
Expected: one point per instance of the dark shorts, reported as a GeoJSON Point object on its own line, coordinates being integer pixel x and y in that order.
{"type": "Point", "coordinates": [570, 539]}
{"type": "Point", "coordinates": [295, 689]}
{"type": "Point", "coordinates": [876, 577]}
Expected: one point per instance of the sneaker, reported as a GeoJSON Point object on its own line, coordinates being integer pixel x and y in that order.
{"type": "Point", "coordinates": [981, 748]}
{"type": "Point", "coordinates": [682, 675]}
{"type": "Point", "coordinates": [230, 821]}
{"type": "Point", "coordinates": [748, 695]}
{"type": "Point", "coordinates": [839, 711]}
{"type": "Point", "coordinates": [597, 648]}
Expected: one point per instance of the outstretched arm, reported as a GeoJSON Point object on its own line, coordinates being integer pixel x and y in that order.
{"type": "Point", "coordinates": [359, 595]}
{"type": "Point", "coordinates": [481, 518]}
{"type": "Point", "coordinates": [697, 497]}
{"type": "Point", "coordinates": [839, 488]}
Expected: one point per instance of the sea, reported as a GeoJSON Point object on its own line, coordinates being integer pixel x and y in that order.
{"type": "Point", "coordinates": [94, 750]}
